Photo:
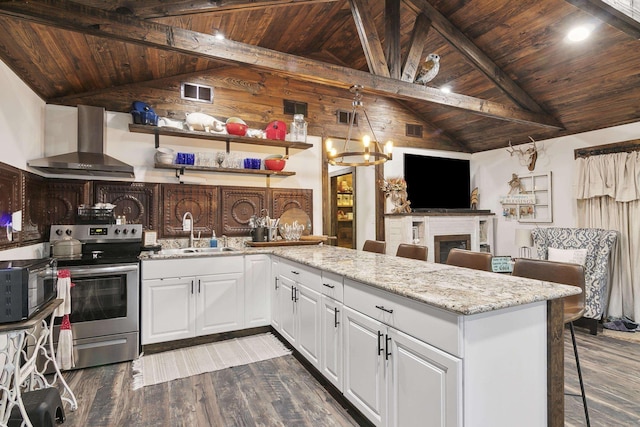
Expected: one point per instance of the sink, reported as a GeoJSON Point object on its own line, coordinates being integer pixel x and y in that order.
{"type": "Point", "coordinates": [193, 251]}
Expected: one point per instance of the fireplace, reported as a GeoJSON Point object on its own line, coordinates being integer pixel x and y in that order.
{"type": "Point", "coordinates": [443, 244]}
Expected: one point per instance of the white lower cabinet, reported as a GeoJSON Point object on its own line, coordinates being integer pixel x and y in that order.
{"type": "Point", "coordinates": [257, 271]}
{"type": "Point", "coordinates": [331, 341]}
{"type": "Point", "coordinates": [184, 298]}
{"type": "Point", "coordinates": [395, 379]}
{"type": "Point", "coordinates": [274, 287]}
{"type": "Point", "coordinates": [307, 314]}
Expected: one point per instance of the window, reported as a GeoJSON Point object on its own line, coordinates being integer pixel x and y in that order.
{"type": "Point", "coordinates": [295, 107]}
{"type": "Point", "coordinates": [414, 130]}
{"type": "Point", "coordinates": [344, 117]}
{"type": "Point", "coordinates": [195, 92]}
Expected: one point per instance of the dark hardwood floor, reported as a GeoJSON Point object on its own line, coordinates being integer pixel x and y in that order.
{"type": "Point", "coordinates": [281, 392]}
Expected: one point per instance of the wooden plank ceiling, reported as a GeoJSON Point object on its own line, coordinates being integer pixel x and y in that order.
{"type": "Point", "coordinates": [511, 71]}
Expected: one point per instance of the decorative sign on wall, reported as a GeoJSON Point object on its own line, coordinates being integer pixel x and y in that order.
{"type": "Point", "coordinates": [533, 202]}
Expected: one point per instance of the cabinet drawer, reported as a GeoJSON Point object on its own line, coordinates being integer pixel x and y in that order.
{"type": "Point", "coordinates": [429, 324]}
{"type": "Point", "coordinates": [181, 267]}
{"type": "Point", "coordinates": [332, 285]}
{"type": "Point", "coordinates": [308, 276]}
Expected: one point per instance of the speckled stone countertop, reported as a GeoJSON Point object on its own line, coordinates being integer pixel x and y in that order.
{"type": "Point", "coordinates": [459, 290]}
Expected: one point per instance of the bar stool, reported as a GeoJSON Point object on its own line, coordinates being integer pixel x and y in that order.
{"type": "Point", "coordinates": [470, 259]}
{"type": "Point", "coordinates": [412, 251]}
{"type": "Point", "coordinates": [374, 246]}
{"type": "Point", "coordinates": [574, 306]}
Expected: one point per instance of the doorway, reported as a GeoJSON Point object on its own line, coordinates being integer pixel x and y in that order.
{"type": "Point", "coordinates": [343, 215]}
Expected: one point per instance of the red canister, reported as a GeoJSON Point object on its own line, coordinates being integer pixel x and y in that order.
{"type": "Point", "coordinates": [276, 130]}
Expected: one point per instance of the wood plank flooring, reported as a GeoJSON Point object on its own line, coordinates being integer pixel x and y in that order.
{"type": "Point", "coordinates": [281, 392]}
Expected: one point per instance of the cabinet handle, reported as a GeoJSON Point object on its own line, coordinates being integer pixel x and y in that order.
{"type": "Point", "coordinates": [379, 345]}
{"type": "Point", "coordinates": [293, 289]}
{"type": "Point", "coordinates": [295, 272]}
{"type": "Point", "coordinates": [387, 353]}
{"type": "Point", "coordinates": [328, 285]}
{"type": "Point", "coordinates": [198, 285]}
{"type": "Point", "coordinates": [192, 286]}
{"type": "Point", "coordinates": [276, 280]}
{"type": "Point", "coordinates": [381, 307]}
{"type": "Point", "coordinates": [296, 295]}
{"type": "Point", "coordinates": [335, 314]}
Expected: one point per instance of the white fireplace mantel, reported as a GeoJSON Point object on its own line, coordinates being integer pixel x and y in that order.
{"type": "Point", "coordinates": [422, 228]}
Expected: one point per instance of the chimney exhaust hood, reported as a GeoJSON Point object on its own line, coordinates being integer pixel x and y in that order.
{"type": "Point", "coordinates": [90, 158]}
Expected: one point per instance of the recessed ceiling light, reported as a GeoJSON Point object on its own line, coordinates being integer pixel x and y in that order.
{"type": "Point", "coordinates": [579, 33]}
{"type": "Point", "coordinates": [446, 89]}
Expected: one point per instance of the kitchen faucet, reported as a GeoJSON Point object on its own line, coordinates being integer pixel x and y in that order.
{"type": "Point", "coordinates": [184, 226]}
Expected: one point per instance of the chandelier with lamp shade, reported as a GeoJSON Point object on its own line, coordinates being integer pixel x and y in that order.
{"type": "Point", "coordinates": [368, 151]}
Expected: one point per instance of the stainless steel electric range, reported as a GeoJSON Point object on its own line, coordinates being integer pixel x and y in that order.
{"type": "Point", "coordinates": [105, 299]}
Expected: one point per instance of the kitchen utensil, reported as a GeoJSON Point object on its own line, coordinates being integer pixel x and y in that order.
{"type": "Point", "coordinates": [164, 155]}
{"type": "Point", "coordinates": [276, 130]}
{"type": "Point", "coordinates": [236, 126]}
{"type": "Point", "coordinates": [66, 248]}
{"type": "Point", "coordinates": [274, 164]}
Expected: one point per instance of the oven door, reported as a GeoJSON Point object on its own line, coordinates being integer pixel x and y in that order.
{"type": "Point", "coordinates": [104, 300]}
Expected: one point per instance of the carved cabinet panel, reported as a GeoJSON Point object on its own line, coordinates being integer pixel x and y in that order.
{"type": "Point", "coordinates": [237, 205]}
{"type": "Point", "coordinates": [9, 203]}
{"type": "Point", "coordinates": [137, 201]}
{"type": "Point", "coordinates": [63, 198]}
{"type": "Point", "coordinates": [177, 199]}
{"type": "Point", "coordinates": [34, 190]}
{"type": "Point", "coordinates": [283, 199]}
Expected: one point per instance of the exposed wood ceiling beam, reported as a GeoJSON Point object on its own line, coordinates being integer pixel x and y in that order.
{"type": "Point", "coordinates": [416, 47]}
{"type": "Point", "coordinates": [392, 37]}
{"type": "Point", "coordinates": [72, 16]}
{"type": "Point", "coordinates": [161, 8]}
{"type": "Point", "coordinates": [369, 38]}
{"type": "Point", "coordinates": [610, 15]}
{"type": "Point", "coordinates": [475, 55]}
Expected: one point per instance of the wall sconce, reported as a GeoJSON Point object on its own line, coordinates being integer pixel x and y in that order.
{"type": "Point", "coordinates": [524, 241]}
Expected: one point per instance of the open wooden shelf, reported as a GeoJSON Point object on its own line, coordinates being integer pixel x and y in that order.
{"type": "Point", "coordinates": [169, 131]}
{"type": "Point", "coordinates": [183, 168]}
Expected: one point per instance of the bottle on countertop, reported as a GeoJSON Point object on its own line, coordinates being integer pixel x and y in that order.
{"type": "Point", "coordinates": [213, 243]}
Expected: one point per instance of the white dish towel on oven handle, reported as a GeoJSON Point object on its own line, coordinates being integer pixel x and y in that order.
{"type": "Point", "coordinates": [64, 354]}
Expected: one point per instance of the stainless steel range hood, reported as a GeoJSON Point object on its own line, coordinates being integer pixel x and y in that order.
{"type": "Point", "coordinates": [90, 158]}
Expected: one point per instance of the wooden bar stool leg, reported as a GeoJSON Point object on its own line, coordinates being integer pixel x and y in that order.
{"type": "Point", "coordinates": [575, 352]}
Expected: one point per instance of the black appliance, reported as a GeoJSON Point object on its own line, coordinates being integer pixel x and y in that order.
{"type": "Point", "coordinates": [25, 287]}
{"type": "Point", "coordinates": [105, 296]}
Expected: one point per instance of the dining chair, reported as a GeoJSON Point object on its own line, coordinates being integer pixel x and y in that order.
{"type": "Point", "coordinates": [574, 306]}
{"type": "Point", "coordinates": [406, 250]}
{"type": "Point", "coordinates": [470, 259]}
{"type": "Point", "coordinates": [374, 246]}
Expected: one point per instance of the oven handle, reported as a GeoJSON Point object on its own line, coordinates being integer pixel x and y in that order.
{"type": "Point", "coordinates": [93, 270]}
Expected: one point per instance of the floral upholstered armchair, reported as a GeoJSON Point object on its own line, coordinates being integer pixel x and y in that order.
{"type": "Point", "coordinates": [598, 244]}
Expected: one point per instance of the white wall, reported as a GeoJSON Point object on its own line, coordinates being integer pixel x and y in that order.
{"type": "Point", "coordinates": [491, 171]}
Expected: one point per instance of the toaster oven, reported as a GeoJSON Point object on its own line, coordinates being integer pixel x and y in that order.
{"type": "Point", "coordinates": [26, 286]}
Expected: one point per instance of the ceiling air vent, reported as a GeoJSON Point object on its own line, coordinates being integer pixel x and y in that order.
{"type": "Point", "coordinates": [195, 92]}
{"type": "Point", "coordinates": [295, 107]}
{"type": "Point", "coordinates": [414, 130]}
{"type": "Point", "coordinates": [344, 117]}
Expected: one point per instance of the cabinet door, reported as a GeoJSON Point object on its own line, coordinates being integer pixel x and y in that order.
{"type": "Point", "coordinates": [308, 304]}
{"type": "Point", "coordinates": [364, 365]}
{"type": "Point", "coordinates": [257, 289]}
{"type": "Point", "coordinates": [424, 384]}
{"type": "Point", "coordinates": [274, 287]}
{"type": "Point", "coordinates": [331, 341]}
{"type": "Point", "coordinates": [286, 308]}
{"type": "Point", "coordinates": [220, 303]}
{"type": "Point", "coordinates": [168, 309]}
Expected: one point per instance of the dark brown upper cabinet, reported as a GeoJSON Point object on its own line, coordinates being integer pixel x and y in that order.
{"type": "Point", "coordinates": [137, 201]}
{"type": "Point", "coordinates": [283, 199]}
{"type": "Point", "coordinates": [200, 200]}
{"type": "Point", "coordinates": [238, 205]}
{"type": "Point", "coordinates": [34, 190]}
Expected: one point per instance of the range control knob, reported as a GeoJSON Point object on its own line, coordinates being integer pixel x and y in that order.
{"type": "Point", "coordinates": [134, 231]}
{"type": "Point", "coordinates": [59, 232]}
{"type": "Point", "coordinates": [125, 231]}
{"type": "Point", "coordinates": [68, 232]}
{"type": "Point", "coordinates": [117, 231]}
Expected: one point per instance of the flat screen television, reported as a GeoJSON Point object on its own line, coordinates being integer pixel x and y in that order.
{"type": "Point", "coordinates": [437, 183]}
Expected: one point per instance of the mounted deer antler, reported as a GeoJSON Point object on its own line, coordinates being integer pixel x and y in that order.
{"type": "Point", "coordinates": [527, 157]}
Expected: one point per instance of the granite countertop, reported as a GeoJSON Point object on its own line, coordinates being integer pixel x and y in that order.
{"type": "Point", "coordinates": [459, 290]}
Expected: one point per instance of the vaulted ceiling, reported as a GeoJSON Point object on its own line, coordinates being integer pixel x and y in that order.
{"type": "Point", "coordinates": [512, 73]}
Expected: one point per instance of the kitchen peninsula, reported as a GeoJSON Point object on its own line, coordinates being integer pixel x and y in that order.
{"type": "Point", "coordinates": [405, 341]}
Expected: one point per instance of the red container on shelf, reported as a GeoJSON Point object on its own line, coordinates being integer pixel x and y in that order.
{"type": "Point", "coordinates": [276, 130]}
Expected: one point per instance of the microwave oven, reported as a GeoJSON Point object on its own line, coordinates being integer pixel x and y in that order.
{"type": "Point", "coordinates": [25, 287]}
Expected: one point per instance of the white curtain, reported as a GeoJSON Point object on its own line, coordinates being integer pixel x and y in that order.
{"type": "Point", "coordinates": [607, 188]}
